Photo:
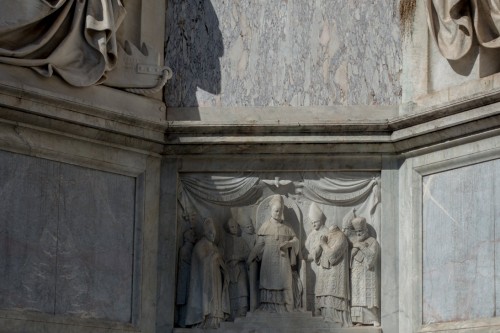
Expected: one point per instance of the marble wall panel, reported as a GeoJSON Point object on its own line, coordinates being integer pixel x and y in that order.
{"type": "Point", "coordinates": [460, 243]}
{"type": "Point", "coordinates": [283, 53]}
{"type": "Point", "coordinates": [67, 239]}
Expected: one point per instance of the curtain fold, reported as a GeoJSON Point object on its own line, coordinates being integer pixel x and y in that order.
{"type": "Point", "coordinates": [74, 38]}
{"type": "Point", "coordinates": [345, 189]}
{"type": "Point", "coordinates": [223, 190]}
{"type": "Point", "coordinates": [453, 23]}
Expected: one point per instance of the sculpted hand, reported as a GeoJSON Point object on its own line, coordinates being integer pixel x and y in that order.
{"type": "Point", "coordinates": [284, 245]}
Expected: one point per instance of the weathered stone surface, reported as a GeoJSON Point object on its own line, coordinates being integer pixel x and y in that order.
{"type": "Point", "coordinates": [67, 236]}
{"type": "Point", "coordinates": [460, 250]}
{"type": "Point", "coordinates": [285, 53]}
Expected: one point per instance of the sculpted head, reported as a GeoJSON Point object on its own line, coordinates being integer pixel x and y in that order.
{"type": "Point", "coordinates": [189, 236]}
{"type": "Point", "coordinates": [276, 205]}
{"type": "Point", "coordinates": [209, 229]}
{"type": "Point", "coordinates": [360, 227]}
{"type": "Point", "coordinates": [232, 226]}
{"type": "Point", "coordinates": [246, 224]}
{"type": "Point", "coordinates": [316, 216]}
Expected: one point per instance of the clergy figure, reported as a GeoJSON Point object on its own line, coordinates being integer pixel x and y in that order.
{"type": "Point", "coordinates": [208, 300]}
{"type": "Point", "coordinates": [364, 275]}
{"type": "Point", "coordinates": [236, 253]}
{"type": "Point", "coordinates": [277, 248]}
{"type": "Point", "coordinates": [332, 285]}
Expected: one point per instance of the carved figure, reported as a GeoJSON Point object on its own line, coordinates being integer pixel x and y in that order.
{"type": "Point", "coordinates": [332, 285]}
{"type": "Point", "coordinates": [277, 248]}
{"type": "Point", "coordinates": [208, 300]}
{"type": "Point", "coordinates": [236, 252]}
{"type": "Point", "coordinates": [317, 219]}
{"type": "Point", "coordinates": [313, 245]}
{"type": "Point", "coordinates": [183, 275]}
{"type": "Point", "coordinates": [365, 302]}
{"type": "Point", "coordinates": [248, 234]}
{"type": "Point", "coordinates": [453, 24]}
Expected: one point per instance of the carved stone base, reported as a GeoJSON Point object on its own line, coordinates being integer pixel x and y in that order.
{"type": "Point", "coordinates": [291, 322]}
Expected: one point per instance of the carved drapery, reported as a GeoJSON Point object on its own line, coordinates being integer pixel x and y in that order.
{"type": "Point", "coordinates": [80, 41]}
{"type": "Point", "coordinates": [360, 189]}
{"type": "Point", "coordinates": [453, 24]}
{"type": "Point", "coordinates": [223, 190]}
{"type": "Point", "coordinates": [76, 39]}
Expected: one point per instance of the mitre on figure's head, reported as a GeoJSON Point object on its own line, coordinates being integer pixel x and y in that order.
{"type": "Point", "coordinates": [315, 213]}
{"type": "Point", "coordinates": [359, 223]}
{"type": "Point", "coordinates": [276, 199]}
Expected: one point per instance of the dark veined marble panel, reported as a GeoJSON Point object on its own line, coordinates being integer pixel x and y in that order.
{"type": "Point", "coordinates": [66, 239]}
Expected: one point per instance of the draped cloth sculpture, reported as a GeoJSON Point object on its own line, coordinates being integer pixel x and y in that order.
{"type": "Point", "coordinates": [80, 41]}
{"type": "Point", "coordinates": [76, 39]}
{"type": "Point", "coordinates": [453, 24]}
{"type": "Point", "coordinates": [277, 247]}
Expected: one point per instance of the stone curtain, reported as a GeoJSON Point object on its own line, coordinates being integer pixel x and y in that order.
{"type": "Point", "coordinates": [221, 190]}
{"type": "Point", "coordinates": [345, 189]}
{"type": "Point", "coordinates": [453, 24]}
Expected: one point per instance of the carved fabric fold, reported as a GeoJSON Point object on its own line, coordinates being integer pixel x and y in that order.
{"type": "Point", "coordinates": [345, 189]}
{"type": "Point", "coordinates": [453, 23]}
{"type": "Point", "coordinates": [74, 38]}
{"type": "Point", "coordinates": [221, 189]}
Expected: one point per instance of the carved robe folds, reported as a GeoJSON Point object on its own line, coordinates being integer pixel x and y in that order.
{"type": "Point", "coordinates": [332, 285]}
{"type": "Point", "coordinates": [365, 285]}
{"type": "Point", "coordinates": [235, 254]}
{"type": "Point", "coordinates": [208, 301]}
{"type": "Point", "coordinates": [276, 293]}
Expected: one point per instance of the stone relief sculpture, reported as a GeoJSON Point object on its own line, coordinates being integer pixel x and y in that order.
{"type": "Point", "coordinates": [208, 300]}
{"type": "Point", "coordinates": [277, 248]}
{"type": "Point", "coordinates": [248, 234]}
{"type": "Point", "coordinates": [317, 219]}
{"type": "Point", "coordinates": [236, 253]}
{"type": "Point", "coordinates": [328, 249]}
{"type": "Point", "coordinates": [184, 272]}
{"type": "Point", "coordinates": [454, 24]}
{"type": "Point", "coordinates": [332, 286]}
{"type": "Point", "coordinates": [266, 271]}
{"type": "Point", "coordinates": [78, 40]}
{"type": "Point", "coordinates": [365, 278]}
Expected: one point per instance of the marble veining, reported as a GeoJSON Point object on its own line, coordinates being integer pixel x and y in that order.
{"type": "Point", "coordinates": [283, 53]}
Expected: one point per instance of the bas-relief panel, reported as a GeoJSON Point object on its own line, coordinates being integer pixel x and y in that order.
{"type": "Point", "coordinates": [283, 53]}
{"type": "Point", "coordinates": [461, 223]}
{"type": "Point", "coordinates": [67, 239]}
{"type": "Point", "coordinates": [278, 243]}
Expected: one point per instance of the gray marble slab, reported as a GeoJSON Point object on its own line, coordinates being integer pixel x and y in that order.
{"type": "Point", "coordinates": [460, 243]}
{"type": "Point", "coordinates": [67, 236]}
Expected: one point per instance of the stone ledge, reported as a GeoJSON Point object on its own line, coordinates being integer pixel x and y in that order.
{"type": "Point", "coordinates": [99, 107]}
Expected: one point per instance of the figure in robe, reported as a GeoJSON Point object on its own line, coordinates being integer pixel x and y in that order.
{"type": "Point", "coordinates": [208, 300]}
{"type": "Point", "coordinates": [248, 234]}
{"type": "Point", "coordinates": [183, 275]}
{"type": "Point", "coordinates": [332, 285]}
{"type": "Point", "coordinates": [277, 248]}
{"type": "Point", "coordinates": [313, 246]}
{"type": "Point", "coordinates": [365, 304]}
{"type": "Point", "coordinates": [236, 253]}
